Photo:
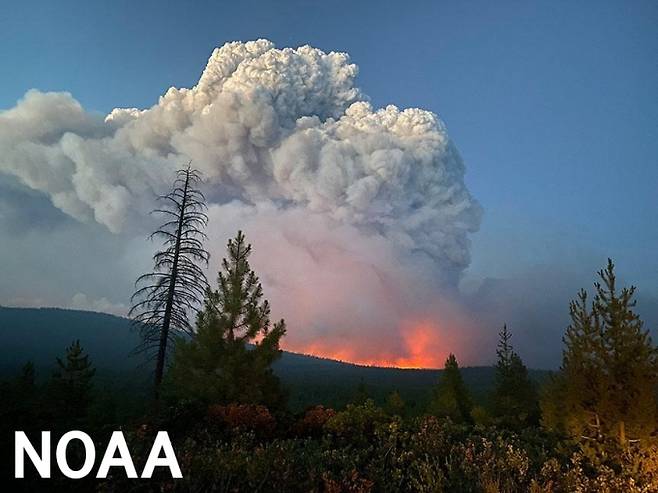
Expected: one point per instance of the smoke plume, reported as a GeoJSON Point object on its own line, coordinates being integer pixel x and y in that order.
{"type": "Point", "coordinates": [359, 217]}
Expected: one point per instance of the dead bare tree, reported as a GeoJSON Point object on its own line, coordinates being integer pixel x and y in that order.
{"type": "Point", "coordinates": [165, 297]}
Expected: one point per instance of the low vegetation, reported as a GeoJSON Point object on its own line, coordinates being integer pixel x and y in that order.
{"type": "Point", "coordinates": [593, 426]}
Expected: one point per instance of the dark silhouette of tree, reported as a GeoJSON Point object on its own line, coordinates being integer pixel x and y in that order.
{"type": "Point", "coordinates": [361, 394]}
{"type": "Point", "coordinates": [395, 405]}
{"type": "Point", "coordinates": [229, 359]}
{"type": "Point", "coordinates": [451, 397]}
{"type": "Point", "coordinates": [606, 386]}
{"type": "Point", "coordinates": [19, 406]}
{"type": "Point", "coordinates": [27, 377]}
{"type": "Point", "coordinates": [514, 400]}
{"type": "Point", "coordinates": [176, 286]}
{"type": "Point", "coordinates": [20, 409]}
{"type": "Point", "coordinates": [70, 389]}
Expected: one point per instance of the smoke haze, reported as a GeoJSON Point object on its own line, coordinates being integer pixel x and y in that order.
{"type": "Point", "coordinates": [359, 216]}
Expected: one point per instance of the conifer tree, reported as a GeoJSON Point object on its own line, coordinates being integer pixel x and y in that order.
{"type": "Point", "coordinates": [26, 379]}
{"type": "Point", "coordinates": [26, 393]}
{"type": "Point", "coordinates": [571, 398]}
{"type": "Point", "coordinates": [71, 386]}
{"type": "Point", "coordinates": [607, 383]}
{"type": "Point", "coordinates": [514, 400]}
{"type": "Point", "coordinates": [166, 296]}
{"type": "Point", "coordinates": [451, 397]}
{"type": "Point", "coordinates": [395, 405]}
{"type": "Point", "coordinates": [230, 358]}
{"type": "Point", "coordinates": [361, 394]}
{"type": "Point", "coordinates": [19, 406]}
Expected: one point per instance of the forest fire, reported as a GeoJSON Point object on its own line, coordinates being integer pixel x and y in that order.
{"type": "Point", "coordinates": [422, 346]}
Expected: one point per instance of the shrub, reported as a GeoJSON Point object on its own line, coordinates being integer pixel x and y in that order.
{"type": "Point", "coordinates": [357, 423]}
{"type": "Point", "coordinates": [239, 418]}
{"type": "Point", "coordinates": [312, 423]}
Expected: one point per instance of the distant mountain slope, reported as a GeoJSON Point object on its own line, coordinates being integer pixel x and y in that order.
{"type": "Point", "coordinates": [41, 334]}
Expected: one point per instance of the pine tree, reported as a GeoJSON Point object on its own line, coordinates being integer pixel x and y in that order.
{"type": "Point", "coordinates": [361, 394]}
{"type": "Point", "coordinates": [20, 409]}
{"type": "Point", "coordinates": [451, 397]}
{"type": "Point", "coordinates": [26, 397]}
{"type": "Point", "coordinates": [395, 405]}
{"type": "Point", "coordinates": [570, 401]}
{"type": "Point", "coordinates": [229, 359]}
{"type": "Point", "coordinates": [176, 286]}
{"type": "Point", "coordinates": [514, 400]}
{"type": "Point", "coordinates": [27, 377]}
{"type": "Point", "coordinates": [607, 383]}
{"type": "Point", "coordinates": [19, 406]}
{"type": "Point", "coordinates": [630, 358]}
{"type": "Point", "coordinates": [70, 389]}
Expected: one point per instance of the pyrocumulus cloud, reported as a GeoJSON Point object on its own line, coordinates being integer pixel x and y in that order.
{"type": "Point", "coordinates": [359, 216]}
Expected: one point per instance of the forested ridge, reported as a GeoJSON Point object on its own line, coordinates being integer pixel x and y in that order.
{"type": "Point", "coordinates": [40, 335]}
{"type": "Point", "coordinates": [202, 360]}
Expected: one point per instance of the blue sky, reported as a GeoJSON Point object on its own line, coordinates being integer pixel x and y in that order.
{"type": "Point", "coordinates": [553, 105]}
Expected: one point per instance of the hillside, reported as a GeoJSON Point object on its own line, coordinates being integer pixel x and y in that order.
{"type": "Point", "coordinates": [41, 334]}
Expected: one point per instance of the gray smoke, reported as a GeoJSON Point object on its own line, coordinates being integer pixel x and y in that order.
{"type": "Point", "coordinates": [362, 213]}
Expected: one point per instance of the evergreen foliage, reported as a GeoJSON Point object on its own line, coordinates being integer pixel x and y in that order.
{"type": "Point", "coordinates": [229, 359]}
{"type": "Point", "coordinates": [19, 401]}
{"type": "Point", "coordinates": [70, 389]}
{"type": "Point", "coordinates": [605, 390]}
{"type": "Point", "coordinates": [514, 401]}
{"type": "Point", "coordinates": [395, 405]}
{"type": "Point", "coordinates": [451, 397]}
{"type": "Point", "coordinates": [604, 397]}
{"type": "Point", "coordinates": [361, 394]}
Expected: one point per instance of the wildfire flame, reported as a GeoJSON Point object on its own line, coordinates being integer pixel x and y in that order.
{"type": "Point", "coordinates": [423, 346]}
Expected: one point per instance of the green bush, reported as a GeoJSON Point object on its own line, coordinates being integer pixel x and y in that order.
{"type": "Point", "coordinates": [362, 449]}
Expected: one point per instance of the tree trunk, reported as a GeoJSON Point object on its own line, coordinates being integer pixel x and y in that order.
{"type": "Point", "coordinates": [164, 332]}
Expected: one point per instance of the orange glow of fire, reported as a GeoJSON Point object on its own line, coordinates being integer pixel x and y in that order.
{"type": "Point", "coordinates": [423, 346]}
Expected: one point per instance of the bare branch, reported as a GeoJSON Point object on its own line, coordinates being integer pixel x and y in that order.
{"type": "Point", "coordinates": [165, 298]}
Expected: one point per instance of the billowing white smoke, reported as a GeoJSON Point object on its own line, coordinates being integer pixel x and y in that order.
{"type": "Point", "coordinates": [348, 206]}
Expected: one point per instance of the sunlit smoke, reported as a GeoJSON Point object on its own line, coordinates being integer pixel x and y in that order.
{"type": "Point", "coordinates": [359, 217]}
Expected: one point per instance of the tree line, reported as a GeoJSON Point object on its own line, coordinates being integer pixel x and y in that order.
{"type": "Point", "coordinates": [602, 400]}
{"type": "Point", "coordinates": [603, 396]}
